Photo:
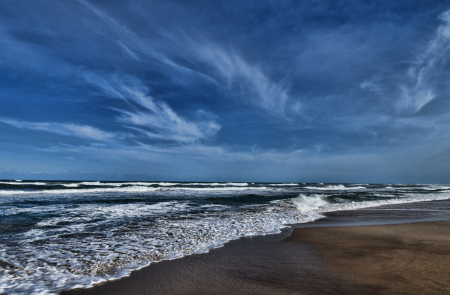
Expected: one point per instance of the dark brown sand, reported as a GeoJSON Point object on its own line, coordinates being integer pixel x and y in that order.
{"type": "Point", "coordinates": [259, 265]}
{"type": "Point", "coordinates": [387, 259]}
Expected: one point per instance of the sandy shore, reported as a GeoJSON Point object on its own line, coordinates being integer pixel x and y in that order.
{"type": "Point", "coordinates": [387, 259]}
{"type": "Point", "coordinates": [390, 259]}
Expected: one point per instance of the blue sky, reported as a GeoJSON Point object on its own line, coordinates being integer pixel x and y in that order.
{"type": "Point", "coordinates": [304, 91]}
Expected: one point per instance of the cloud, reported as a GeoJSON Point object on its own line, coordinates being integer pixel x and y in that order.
{"type": "Point", "coordinates": [415, 98]}
{"type": "Point", "coordinates": [128, 51]}
{"type": "Point", "coordinates": [81, 131]}
{"type": "Point", "coordinates": [154, 118]}
{"type": "Point", "coordinates": [212, 163]}
{"type": "Point", "coordinates": [133, 44]}
{"type": "Point", "coordinates": [18, 55]}
{"type": "Point", "coordinates": [244, 77]}
{"type": "Point", "coordinates": [183, 52]}
{"type": "Point", "coordinates": [151, 117]}
{"type": "Point", "coordinates": [436, 51]}
{"type": "Point", "coordinates": [420, 92]}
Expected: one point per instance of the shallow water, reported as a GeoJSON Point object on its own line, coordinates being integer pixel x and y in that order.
{"type": "Point", "coordinates": [61, 235]}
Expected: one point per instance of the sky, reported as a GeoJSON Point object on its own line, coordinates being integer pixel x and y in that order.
{"type": "Point", "coordinates": [270, 91]}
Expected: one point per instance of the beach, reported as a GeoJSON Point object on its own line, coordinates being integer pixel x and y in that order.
{"type": "Point", "coordinates": [388, 259]}
{"type": "Point", "coordinates": [351, 252]}
{"type": "Point", "coordinates": [224, 147]}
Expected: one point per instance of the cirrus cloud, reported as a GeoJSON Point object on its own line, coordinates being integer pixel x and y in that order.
{"type": "Point", "coordinates": [81, 131]}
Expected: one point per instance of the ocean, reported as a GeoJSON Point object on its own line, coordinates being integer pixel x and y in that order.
{"type": "Point", "coordinates": [59, 235]}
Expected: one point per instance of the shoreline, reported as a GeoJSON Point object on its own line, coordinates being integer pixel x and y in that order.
{"type": "Point", "coordinates": [284, 263]}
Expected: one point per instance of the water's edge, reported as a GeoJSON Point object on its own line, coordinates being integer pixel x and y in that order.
{"type": "Point", "coordinates": [369, 216]}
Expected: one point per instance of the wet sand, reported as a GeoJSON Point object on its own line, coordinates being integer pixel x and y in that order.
{"type": "Point", "coordinates": [258, 265]}
{"type": "Point", "coordinates": [330, 258]}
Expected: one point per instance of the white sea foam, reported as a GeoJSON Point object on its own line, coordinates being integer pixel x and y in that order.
{"type": "Point", "coordinates": [335, 187]}
{"type": "Point", "coordinates": [192, 183]}
{"type": "Point", "coordinates": [240, 184]}
{"type": "Point", "coordinates": [71, 184]}
{"type": "Point", "coordinates": [319, 206]}
{"type": "Point", "coordinates": [136, 183]}
{"type": "Point", "coordinates": [221, 188]}
{"type": "Point", "coordinates": [310, 203]}
{"type": "Point", "coordinates": [436, 187]}
{"type": "Point", "coordinates": [76, 262]}
{"type": "Point", "coordinates": [92, 183]}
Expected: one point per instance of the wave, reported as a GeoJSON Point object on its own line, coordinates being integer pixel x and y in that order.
{"type": "Point", "coordinates": [81, 191]}
{"type": "Point", "coordinates": [101, 255]}
{"type": "Point", "coordinates": [320, 204]}
{"type": "Point", "coordinates": [335, 187]}
{"type": "Point", "coordinates": [217, 183]}
{"type": "Point", "coordinates": [23, 183]}
{"type": "Point", "coordinates": [71, 184]}
{"type": "Point", "coordinates": [117, 184]}
{"type": "Point", "coordinates": [310, 203]}
{"type": "Point", "coordinates": [130, 189]}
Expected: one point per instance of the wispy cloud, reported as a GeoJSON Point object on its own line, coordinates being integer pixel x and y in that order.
{"type": "Point", "coordinates": [151, 117]}
{"type": "Point", "coordinates": [219, 64]}
{"type": "Point", "coordinates": [128, 51]}
{"type": "Point", "coordinates": [242, 76]}
{"type": "Point", "coordinates": [81, 131]}
{"type": "Point", "coordinates": [154, 118]}
{"type": "Point", "coordinates": [413, 99]}
{"type": "Point", "coordinates": [419, 92]}
{"type": "Point", "coordinates": [133, 44]}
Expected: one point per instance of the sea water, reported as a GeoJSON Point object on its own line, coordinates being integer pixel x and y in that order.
{"type": "Point", "coordinates": [58, 235]}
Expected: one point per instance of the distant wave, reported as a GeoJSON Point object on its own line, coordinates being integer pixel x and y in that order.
{"type": "Point", "coordinates": [335, 187]}
{"type": "Point", "coordinates": [129, 189]}
{"type": "Point", "coordinates": [23, 183]}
